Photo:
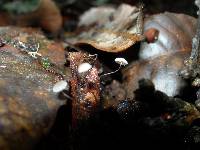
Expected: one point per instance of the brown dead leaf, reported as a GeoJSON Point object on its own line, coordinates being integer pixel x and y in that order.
{"type": "Point", "coordinates": [109, 29]}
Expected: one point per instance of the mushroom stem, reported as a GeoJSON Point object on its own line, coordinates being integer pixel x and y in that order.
{"type": "Point", "coordinates": [67, 96]}
{"type": "Point", "coordinates": [111, 72]}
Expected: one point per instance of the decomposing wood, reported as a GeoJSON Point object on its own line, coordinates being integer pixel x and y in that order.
{"type": "Point", "coordinates": [85, 87]}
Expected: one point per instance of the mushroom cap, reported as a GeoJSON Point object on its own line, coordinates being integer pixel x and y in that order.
{"type": "Point", "coordinates": [60, 86]}
{"type": "Point", "coordinates": [84, 67]}
{"type": "Point", "coordinates": [121, 61]}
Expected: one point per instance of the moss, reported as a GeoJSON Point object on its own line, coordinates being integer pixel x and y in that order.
{"type": "Point", "coordinates": [45, 63]}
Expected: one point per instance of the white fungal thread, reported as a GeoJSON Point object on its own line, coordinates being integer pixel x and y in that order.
{"type": "Point", "coordinates": [32, 50]}
{"type": "Point", "coordinates": [33, 54]}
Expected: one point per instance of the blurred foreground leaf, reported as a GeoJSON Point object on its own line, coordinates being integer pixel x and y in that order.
{"type": "Point", "coordinates": [27, 104]}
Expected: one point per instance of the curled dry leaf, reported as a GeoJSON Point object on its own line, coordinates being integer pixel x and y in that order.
{"type": "Point", "coordinates": [109, 29]}
{"type": "Point", "coordinates": [27, 103]}
{"type": "Point", "coordinates": [85, 88]}
{"type": "Point", "coordinates": [161, 61]}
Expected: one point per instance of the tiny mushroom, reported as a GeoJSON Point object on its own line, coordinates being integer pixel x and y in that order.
{"type": "Point", "coordinates": [60, 86]}
{"type": "Point", "coordinates": [121, 62]}
{"type": "Point", "coordinates": [84, 67]}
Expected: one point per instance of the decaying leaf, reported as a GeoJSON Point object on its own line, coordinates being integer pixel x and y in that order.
{"type": "Point", "coordinates": [85, 87]}
{"type": "Point", "coordinates": [161, 61]}
{"type": "Point", "coordinates": [27, 103]}
{"type": "Point", "coordinates": [109, 29]}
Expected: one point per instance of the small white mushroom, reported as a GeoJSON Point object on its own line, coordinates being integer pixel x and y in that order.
{"type": "Point", "coordinates": [121, 61]}
{"type": "Point", "coordinates": [60, 86]}
{"type": "Point", "coordinates": [84, 67]}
